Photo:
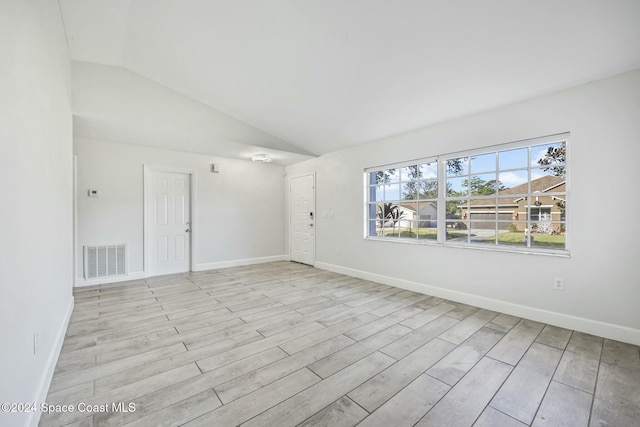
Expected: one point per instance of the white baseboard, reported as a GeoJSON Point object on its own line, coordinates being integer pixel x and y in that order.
{"type": "Point", "coordinates": [45, 381]}
{"type": "Point", "coordinates": [589, 326]}
{"type": "Point", "coordinates": [240, 262]}
{"type": "Point", "coordinates": [80, 281]}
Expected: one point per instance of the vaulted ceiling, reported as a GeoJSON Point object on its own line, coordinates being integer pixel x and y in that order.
{"type": "Point", "coordinates": [297, 78]}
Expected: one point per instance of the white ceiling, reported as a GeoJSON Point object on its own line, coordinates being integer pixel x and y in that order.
{"type": "Point", "coordinates": [314, 76]}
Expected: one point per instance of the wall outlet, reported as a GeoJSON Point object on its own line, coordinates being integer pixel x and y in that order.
{"type": "Point", "coordinates": [558, 284]}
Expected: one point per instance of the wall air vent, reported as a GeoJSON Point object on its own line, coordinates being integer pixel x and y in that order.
{"type": "Point", "coordinates": [105, 261]}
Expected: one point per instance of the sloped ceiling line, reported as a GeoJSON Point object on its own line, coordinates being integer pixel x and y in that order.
{"type": "Point", "coordinates": [319, 76]}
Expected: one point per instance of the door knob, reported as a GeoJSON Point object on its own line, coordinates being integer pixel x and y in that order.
{"type": "Point", "coordinates": [310, 225]}
{"type": "Point", "coordinates": [187, 230]}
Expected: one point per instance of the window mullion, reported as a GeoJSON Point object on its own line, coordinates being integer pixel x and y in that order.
{"type": "Point", "coordinates": [442, 202]}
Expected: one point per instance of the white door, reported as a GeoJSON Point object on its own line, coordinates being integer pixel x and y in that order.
{"type": "Point", "coordinates": [169, 218]}
{"type": "Point", "coordinates": [302, 215]}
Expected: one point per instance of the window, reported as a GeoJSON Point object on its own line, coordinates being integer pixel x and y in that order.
{"type": "Point", "coordinates": [511, 196]}
{"type": "Point", "coordinates": [403, 200]}
{"type": "Point", "coordinates": [540, 214]}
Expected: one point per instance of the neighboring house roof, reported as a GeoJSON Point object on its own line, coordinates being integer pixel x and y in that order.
{"type": "Point", "coordinates": [542, 185]}
{"type": "Point", "coordinates": [411, 205]}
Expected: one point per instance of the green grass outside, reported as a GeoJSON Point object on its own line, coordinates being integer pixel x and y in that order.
{"type": "Point", "coordinates": [422, 233]}
{"type": "Point", "coordinates": [551, 241]}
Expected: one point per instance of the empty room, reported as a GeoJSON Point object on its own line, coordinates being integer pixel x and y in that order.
{"type": "Point", "coordinates": [320, 213]}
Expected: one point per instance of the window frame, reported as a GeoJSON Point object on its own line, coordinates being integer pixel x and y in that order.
{"type": "Point", "coordinates": [370, 186]}
{"type": "Point", "coordinates": [443, 198]}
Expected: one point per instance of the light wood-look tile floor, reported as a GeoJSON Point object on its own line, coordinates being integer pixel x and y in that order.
{"type": "Point", "coordinates": [283, 344]}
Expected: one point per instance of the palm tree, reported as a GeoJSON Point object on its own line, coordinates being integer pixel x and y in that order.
{"type": "Point", "coordinates": [389, 212]}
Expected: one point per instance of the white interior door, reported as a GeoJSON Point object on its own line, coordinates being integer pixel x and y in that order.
{"type": "Point", "coordinates": [302, 215]}
{"type": "Point", "coordinates": [169, 222]}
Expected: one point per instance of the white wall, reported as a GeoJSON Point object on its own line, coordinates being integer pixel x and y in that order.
{"type": "Point", "coordinates": [240, 213]}
{"type": "Point", "coordinates": [36, 193]}
{"type": "Point", "coordinates": [602, 280]}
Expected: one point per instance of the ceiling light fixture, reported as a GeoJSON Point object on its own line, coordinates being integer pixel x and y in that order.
{"type": "Point", "coordinates": [261, 158]}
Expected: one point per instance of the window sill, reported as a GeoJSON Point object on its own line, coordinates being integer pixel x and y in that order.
{"type": "Point", "coordinates": [527, 251]}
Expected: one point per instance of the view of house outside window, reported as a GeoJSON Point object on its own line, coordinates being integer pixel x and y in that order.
{"type": "Point", "coordinates": [512, 196]}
